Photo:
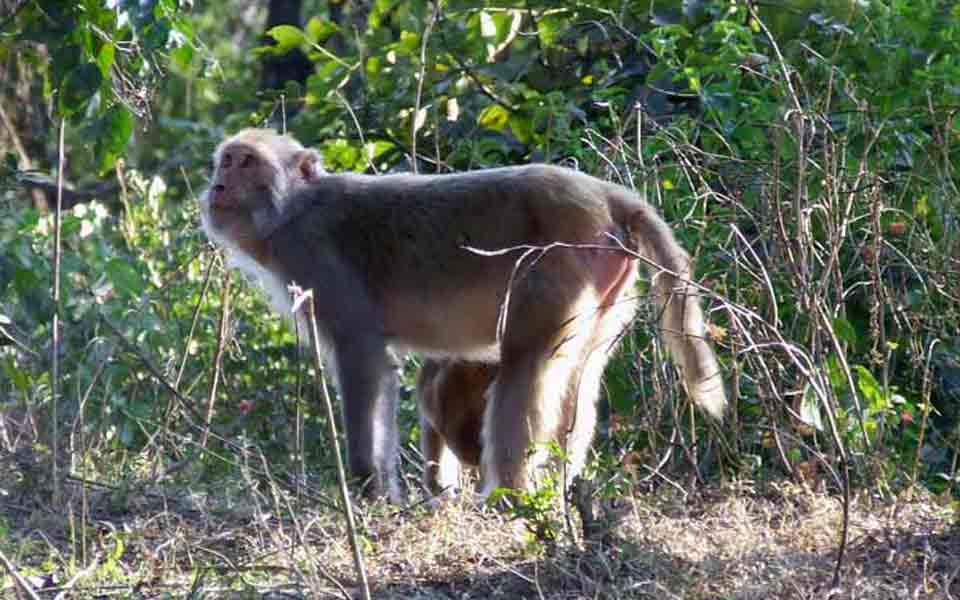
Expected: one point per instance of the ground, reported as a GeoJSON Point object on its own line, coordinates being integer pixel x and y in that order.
{"type": "Point", "coordinates": [729, 541]}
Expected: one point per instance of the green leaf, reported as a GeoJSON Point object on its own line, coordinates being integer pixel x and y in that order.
{"type": "Point", "coordinates": [409, 42]}
{"type": "Point", "coordinates": [324, 82]}
{"type": "Point", "coordinates": [182, 57]}
{"type": "Point", "coordinates": [838, 380]}
{"type": "Point", "coordinates": [845, 331]}
{"type": "Point", "coordinates": [870, 388]}
{"type": "Point", "coordinates": [115, 131]}
{"type": "Point", "coordinates": [80, 85]}
{"type": "Point", "coordinates": [287, 37]}
{"type": "Point", "coordinates": [549, 28]}
{"type": "Point", "coordinates": [105, 59]}
{"type": "Point", "coordinates": [318, 30]}
{"type": "Point", "coordinates": [810, 408]}
{"type": "Point", "coordinates": [495, 117]}
{"type": "Point", "coordinates": [157, 35]}
{"type": "Point", "coordinates": [377, 149]}
{"type": "Point", "coordinates": [341, 154]}
{"type": "Point", "coordinates": [70, 225]}
{"type": "Point", "coordinates": [124, 277]}
{"type": "Point", "coordinates": [521, 127]}
{"type": "Point", "coordinates": [16, 376]}
{"type": "Point", "coordinates": [794, 454]}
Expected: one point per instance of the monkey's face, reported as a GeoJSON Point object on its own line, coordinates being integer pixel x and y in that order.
{"type": "Point", "coordinates": [253, 173]}
{"type": "Point", "coordinates": [247, 184]}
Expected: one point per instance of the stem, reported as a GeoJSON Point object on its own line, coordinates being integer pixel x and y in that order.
{"type": "Point", "coordinates": [56, 337]}
{"type": "Point", "coordinates": [307, 297]}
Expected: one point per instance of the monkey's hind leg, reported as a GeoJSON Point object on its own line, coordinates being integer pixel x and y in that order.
{"type": "Point", "coordinates": [613, 316]}
{"type": "Point", "coordinates": [548, 328]}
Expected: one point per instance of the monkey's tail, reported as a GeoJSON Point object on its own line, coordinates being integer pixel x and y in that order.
{"type": "Point", "coordinates": [681, 320]}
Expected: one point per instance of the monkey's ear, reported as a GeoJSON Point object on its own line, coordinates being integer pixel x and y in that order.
{"type": "Point", "coordinates": [309, 165]}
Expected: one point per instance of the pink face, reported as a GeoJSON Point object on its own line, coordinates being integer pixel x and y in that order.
{"type": "Point", "coordinates": [245, 178]}
{"type": "Point", "coordinates": [253, 172]}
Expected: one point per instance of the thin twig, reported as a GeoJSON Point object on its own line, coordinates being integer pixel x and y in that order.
{"type": "Point", "coordinates": [218, 359]}
{"type": "Point", "coordinates": [926, 412]}
{"type": "Point", "coordinates": [56, 337]}
{"type": "Point", "coordinates": [131, 347]}
{"type": "Point", "coordinates": [360, 134]}
{"type": "Point", "coordinates": [306, 297]}
{"type": "Point", "coordinates": [18, 578]}
{"type": "Point", "coordinates": [422, 76]}
{"type": "Point", "coordinates": [841, 449]}
{"type": "Point", "coordinates": [77, 577]}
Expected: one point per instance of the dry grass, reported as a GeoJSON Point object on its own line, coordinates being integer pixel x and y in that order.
{"type": "Point", "coordinates": [247, 539]}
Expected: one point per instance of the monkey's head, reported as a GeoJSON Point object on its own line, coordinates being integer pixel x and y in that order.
{"type": "Point", "coordinates": [254, 172]}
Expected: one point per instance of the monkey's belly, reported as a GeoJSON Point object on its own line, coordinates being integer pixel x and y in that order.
{"type": "Point", "coordinates": [478, 354]}
{"type": "Point", "coordinates": [434, 325]}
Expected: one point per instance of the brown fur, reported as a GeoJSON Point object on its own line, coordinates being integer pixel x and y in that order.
{"type": "Point", "coordinates": [452, 396]}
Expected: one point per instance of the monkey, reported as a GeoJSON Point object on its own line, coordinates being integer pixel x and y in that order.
{"type": "Point", "coordinates": [451, 397]}
{"type": "Point", "coordinates": [530, 268]}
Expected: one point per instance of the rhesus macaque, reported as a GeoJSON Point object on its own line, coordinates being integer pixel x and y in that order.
{"type": "Point", "coordinates": [531, 268]}
{"type": "Point", "coordinates": [452, 400]}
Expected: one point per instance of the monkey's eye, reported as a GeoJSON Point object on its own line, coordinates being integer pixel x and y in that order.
{"type": "Point", "coordinates": [226, 160]}
{"type": "Point", "coordinates": [248, 161]}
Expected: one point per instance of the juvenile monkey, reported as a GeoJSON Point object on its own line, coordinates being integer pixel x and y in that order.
{"type": "Point", "coordinates": [531, 268]}
{"type": "Point", "coordinates": [452, 400]}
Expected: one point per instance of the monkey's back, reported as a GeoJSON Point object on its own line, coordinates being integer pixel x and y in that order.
{"type": "Point", "coordinates": [432, 221]}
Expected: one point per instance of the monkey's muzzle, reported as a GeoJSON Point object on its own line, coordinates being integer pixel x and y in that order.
{"type": "Point", "coordinates": [219, 198]}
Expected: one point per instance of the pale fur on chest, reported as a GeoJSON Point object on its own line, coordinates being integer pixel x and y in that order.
{"type": "Point", "coordinates": [281, 301]}
{"type": "Point", "coordinates": [275, 287]}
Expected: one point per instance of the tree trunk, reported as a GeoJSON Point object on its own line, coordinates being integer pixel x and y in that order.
{"type": "Point", "coordinates": [292, 66]}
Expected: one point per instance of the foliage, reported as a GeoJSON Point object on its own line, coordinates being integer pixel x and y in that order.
{"type": "Point", "coordinates": [537, 508]}
{"type": "Point", "coordinates": [807, 159]}
{"type": "Point", "coordinates": [104, 62]}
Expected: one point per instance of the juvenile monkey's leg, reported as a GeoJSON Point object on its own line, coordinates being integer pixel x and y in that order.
{"type": "Point", "coordinates": [369, 392]}
{"type": "Point", "coordinates": [441, 469]}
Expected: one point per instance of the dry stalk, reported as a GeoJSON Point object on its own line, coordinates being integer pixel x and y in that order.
{"type": "Point", "coordinates": [306, 297]}
{"type": "Point", "coordinates": [18, 579]}
{"type": "Point", "coordinates": [218, 359]}
{"type": "Point", "coordinates": [56, 337]}
{"type": "Point", "coordinates": [416, 122]}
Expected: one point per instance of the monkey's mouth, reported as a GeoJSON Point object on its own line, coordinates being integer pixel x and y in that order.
{"type": "Point", "coordinates": [222, 204]}
{"type": "Point", "coordinates": [219, 200]}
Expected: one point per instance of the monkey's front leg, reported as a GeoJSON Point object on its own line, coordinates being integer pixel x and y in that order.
{"type": "Point", "coordinates": [368, 388]}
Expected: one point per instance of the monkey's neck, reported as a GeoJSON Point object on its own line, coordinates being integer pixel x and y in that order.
{"type": "Point", "coordinates": [258, 250]}
{"type": "Point", "coordinates": [268, 221]}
